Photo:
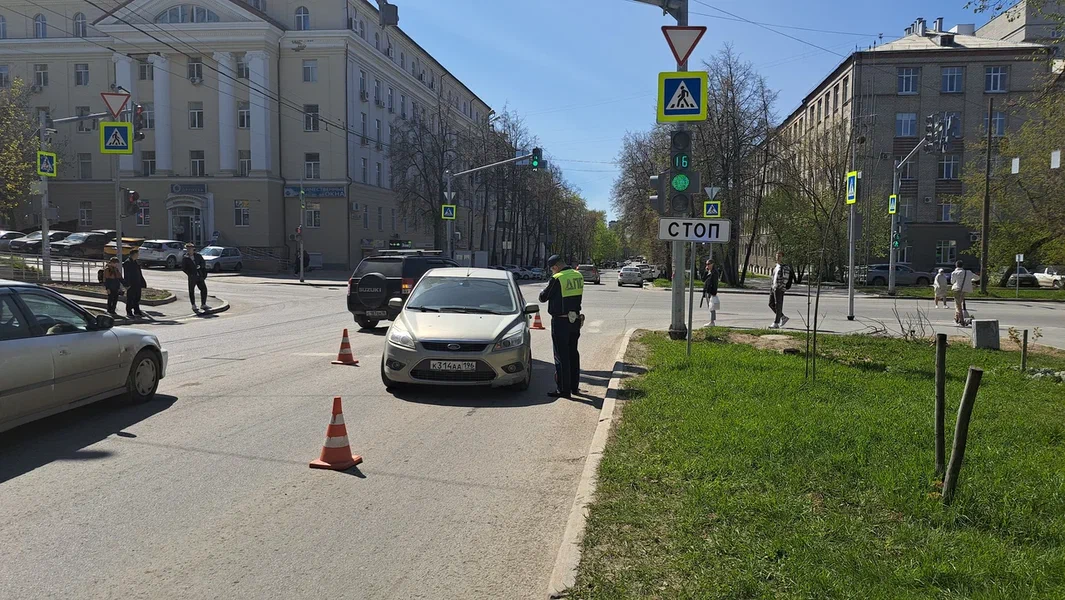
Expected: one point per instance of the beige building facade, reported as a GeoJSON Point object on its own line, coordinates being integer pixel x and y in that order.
{"type": "Point", "coordinates": [245, 103]}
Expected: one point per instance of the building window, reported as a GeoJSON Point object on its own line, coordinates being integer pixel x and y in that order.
{"type": "Point", "coordinates": [40, 27]}
{"type": "Point", "coordinates": [81, 74]}
{"type": "Point", "coordinates": [953, 79]}
{"type": "Point", "coordinates": [3, 28]}
{"type": "Point", "coordinates": [904, 254]}
{"type": "Point", "coordinates": [187, 13]}
{"type": "Point", "coordinates": [366, 217]}
{"type": "Point", "coordinates": [377, 130]}
{"type": "Point", "coordinates": [195, 115]}
{"type": "Point", "coordinates": [5, 76]}
{"type": "Point", "coordinates": [998, 124]}
{"type": "Point", "coordinates": [818, 110]}
{"type": "Point", "coordinates": [310, 71]}
{"type": "Point", "coordinates": [846, 89]}
{"type": "Point", "coordinates": [147, 163]}
{"type": "Point", "coordinates": [84, 165]}
{"type": "Point", "coordinates": [996, 79]}
{"type": "Point", "coordinates": [40, 74]}
{"type": "Point", "coordinates": [905, 124]}
{"type": "Point", "coordinates": [312, 166]}
{"type": "Point", "coordinates": [310, 117]}
{"type": "Point", "coordinates": [242, 213]}
{"type": "Point", "coordinates": [148, 111]}
{"type": "Point", "coordinates": [906, 207]}
{"type": "Point", "coordinates": [195, 69]}
{"type": "Point", "coordinates": [377, 91]}
{"type": "Point", "coordinates": [402, 60]}
{"type": "Point", "coordinates": [243, 70]}
{"type": "Point", "coordinates": [949, 167]}
{"type": "Point", "coordinates": [945, 210]}
{"type": "Point", "coordinates": [362, 29]}
{"type": "Point", "coordinates": [85, 210]}
{"type": "Point", "coordinates": [365, 171]}
{"type": "Point", "coordinates": [87, 125]}
{"type": "Point", "coordinates": [364, 128]}
{"type": "Point", "coordinates": [312, 215]}
{"type": "Point", "coordinates": [376, 40]}
{"type": "Point", "coordinates": [946, 251]}
{"type": "Point", "coordinates": [197, 166]}
{"type": "Point", "coordinates": [243, 163]}
{"type": "Point", "coordinates": [952, 121]}
{"type": "Point", "coordinates": [835, 98]}
{"type": "Point", "coordinates": [403, 105]}
{"type": "Point", "coordinates": [380, 218]}
{"type": "Point", "coordinates": [146, 70]}
{"type": "Point", "coordinates": [908, 170]}
{"type": "Point", "coordinates": [259, 5]}
{"type": "Point", "coordinates": [144, 216]}
{"type": "Point", "coordinates": [909, 80]}
{"type": "Point", "coordinates": [362, 82]}
{"type": "Point", "coordinates": [80, 29]}
{"type": "Point", "coordinates": [243, 115]}
{"type": "Point", "coordinates": [377, 174]}
{"type": "Point", "coordinates": [303, 19]}
{"type": "Point", "coordinates": [391, 100]}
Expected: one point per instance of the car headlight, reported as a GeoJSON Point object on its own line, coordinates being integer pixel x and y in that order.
{"type": "Point", "coordinates": [513, 338]}
{"type": "Point", "coordinates": [399, 336]}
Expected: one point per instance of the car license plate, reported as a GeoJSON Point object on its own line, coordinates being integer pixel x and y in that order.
{"type": "Point", "coordinates": [377, 313]}
{"type": "Point", "coordinates": [452, 365]}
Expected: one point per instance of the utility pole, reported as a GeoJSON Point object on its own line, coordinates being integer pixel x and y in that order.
{"type": "Point", "coordinates": [46, 249]}
{"type": "Point", "coordinates": [985, 220]}
{"type": "Point", "coordinates": [677, 329]}
{"type": "Point", "coordinates": [851, 233]}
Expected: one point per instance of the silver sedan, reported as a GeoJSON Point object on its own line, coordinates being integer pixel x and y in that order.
{"type": "Point", "coordinates": [55, 356]}
{"type": "Point", "coordinates": [460, 326]}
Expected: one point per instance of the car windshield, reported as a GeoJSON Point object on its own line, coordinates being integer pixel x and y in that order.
{"type": "Point", "coordinates": [36, 235]}
{"type": "Point", "coordinates": [211, 251]}
{"type": "Point", "coordinates": [57, 235]}
{"type": "Point", "coordinates": [463, 294]}
{"type": "Point", "coordinates": [585, 267]}
{"type": "Point", "coordinates": [389, 267]}
{"type": "Point", "coordinates": [77, 237]}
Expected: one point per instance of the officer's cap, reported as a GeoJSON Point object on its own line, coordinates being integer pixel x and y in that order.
{"type": "Point", "coordinates": [554, 260]}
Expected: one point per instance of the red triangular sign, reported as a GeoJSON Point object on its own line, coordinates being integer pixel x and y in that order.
{"type": "Point", "coordinates": [115, 102]}
{"type": "Point", "coordinates": [682, 40]}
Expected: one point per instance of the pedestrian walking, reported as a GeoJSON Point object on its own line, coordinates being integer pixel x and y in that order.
{"type": "Point", "coordinates": [940, 287]}
{"type": "Point", "coordinates": [563, 295]}
{"type": "Point", "coordinates": [195, 269]}
{"type": "Point", "coordinates": [306, 264]}
{"type": "Point", "coordinates": [710, 281]}
{"type": "Point", "coordinates": [113, 285]}
{"type": "Point", "coordinates": [961, 284]}
{"type": "Point", "coordinates": [134, 281]}
{"type": "Point", "coordinates": [781, 281]}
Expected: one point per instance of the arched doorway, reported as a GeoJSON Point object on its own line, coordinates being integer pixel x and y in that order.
{"type": "Point", "coordinates": [187, 219]}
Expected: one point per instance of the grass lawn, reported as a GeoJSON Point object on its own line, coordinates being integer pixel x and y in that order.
{"type": "Point", "coordinates": [732, 478]}
{"type": "Point", "coordinates": [666, 283]}
{"type": "Point", "coordinates": [992, 292]}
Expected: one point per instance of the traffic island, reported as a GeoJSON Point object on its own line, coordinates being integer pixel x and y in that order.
{"type": "Point", "coordinates": [734, 476]}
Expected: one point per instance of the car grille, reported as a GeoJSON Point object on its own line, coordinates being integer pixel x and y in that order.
{"type": "Point", "coordinates": [423, 372]}
{"type": "Point", "coordinates": [463, 346]}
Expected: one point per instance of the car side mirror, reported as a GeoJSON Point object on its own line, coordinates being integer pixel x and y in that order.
{"type": "Point", "coordinates": [395, 303]}
{"type": "Point", "coordinates": [532, 308]}
{"type": "Point", "coordinates": [104, 322]}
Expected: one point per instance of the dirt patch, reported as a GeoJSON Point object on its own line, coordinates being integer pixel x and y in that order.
{"type": "Point", "coordinates": [778, 343]}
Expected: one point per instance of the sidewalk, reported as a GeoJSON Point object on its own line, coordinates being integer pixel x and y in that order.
{"type": "Point", "coordinates": [166, 314]}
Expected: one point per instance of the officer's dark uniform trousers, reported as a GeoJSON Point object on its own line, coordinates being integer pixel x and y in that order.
{"type": "Point", "coordinates": [563, 295]}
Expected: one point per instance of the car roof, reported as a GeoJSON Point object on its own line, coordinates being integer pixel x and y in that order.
{"type": "Point", "coordinates": [165, 241]}
{"type": "Point", "coordinates": [10, 283]}
{"type": "Point", "coordinates": [472, 272]}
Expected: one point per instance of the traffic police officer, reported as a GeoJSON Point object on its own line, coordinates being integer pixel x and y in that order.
{"type": "Point", "coordinates": [563, 296]}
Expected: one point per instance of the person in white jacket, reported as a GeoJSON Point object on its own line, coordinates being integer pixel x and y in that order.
{"type": "Point", "coordinates": [961, 283]}
{"type": "Point", "coordinates": [940, 285]}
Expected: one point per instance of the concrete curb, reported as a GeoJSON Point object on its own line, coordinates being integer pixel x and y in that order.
{"type": "Point", "coordinates": [564, 574]}
{"type": "Point", "coordinates": [81, 293]}
{"type": "Point", "coordinates": [101, 306]}
{"type": "Point", "coordinates": [967, 298]}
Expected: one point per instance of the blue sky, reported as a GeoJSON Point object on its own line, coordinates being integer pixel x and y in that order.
{"type": "Point", "coordinates": [583, 72]}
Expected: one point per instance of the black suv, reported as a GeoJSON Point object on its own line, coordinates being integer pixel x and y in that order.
{"type": "Point", "coordinates": [390, 274]}
{"type": "Point", "coordinates": [84, 244]}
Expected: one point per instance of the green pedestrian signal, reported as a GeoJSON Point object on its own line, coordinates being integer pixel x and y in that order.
{"type": "Point", "coordinates": [537, 158]}
{"type": "Point", "coordinates": [895, 241]}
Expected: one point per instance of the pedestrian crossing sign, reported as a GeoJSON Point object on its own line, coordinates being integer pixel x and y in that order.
{"type": "Point", "coordinates": [711, 209]}
{"type": "Point", "coordinates": [852, 187]}
{"type": "Point", "coordinates": [682, 96]}
{"type": "Point", "coordinates": [46, 164]}
{"type": "Point", "coordinates": [892, 204]}
{"type": "Point", "coordinates": [115, 138]}
{"type": "Point", "coordinates": [447, 212]}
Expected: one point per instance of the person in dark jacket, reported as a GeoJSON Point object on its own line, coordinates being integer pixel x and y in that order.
{"type": "Point", "coordinates": [195, 269]}
{"type": "Point", "coordinates": [133, 278]}
{"type": "Point", "coordinates": [306, 264]}
{"type": "Point", "coordinates": [113, 285]}
{"type": "Point", "coordinates": [710, 281]}
{"type": "Point", "coordinates": [563, 295]}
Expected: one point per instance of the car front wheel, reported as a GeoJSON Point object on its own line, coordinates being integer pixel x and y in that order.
{"type": "Point", "coordinates": [877, 281]}
{"type": "Point", "coordinates": [143, 378]}
{"type": "Point", "coordinates": [171, 262]}
{"type": "Point", "coordinates": [1056, 285]}
{"type": "Point", "coordinates": [922, 281]}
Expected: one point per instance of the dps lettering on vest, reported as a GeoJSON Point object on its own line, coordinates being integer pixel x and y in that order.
{"type": "Point", "coordinates": [571, 282]}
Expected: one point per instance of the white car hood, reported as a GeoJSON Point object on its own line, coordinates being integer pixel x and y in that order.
{"type": "Point", "coordinates": [457, 326]}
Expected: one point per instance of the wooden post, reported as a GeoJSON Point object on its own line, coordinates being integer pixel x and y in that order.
{"type": "Point", "coordinates": [961, 433]}
{"type": "Point", "coordinates": [941, 383]}
{"type": "Point", "coordinates": [1024, 352]}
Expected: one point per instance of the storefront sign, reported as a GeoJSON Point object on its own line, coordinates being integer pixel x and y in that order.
{"type": "Point", "coordinates": [293, 191]}
{"type": "Point", "coordinates": [197, 189]}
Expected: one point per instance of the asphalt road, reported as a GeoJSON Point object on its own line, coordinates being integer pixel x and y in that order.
{"type": "Point", "coordinates": [205, 492]}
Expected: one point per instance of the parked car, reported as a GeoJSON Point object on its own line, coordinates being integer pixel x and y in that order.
{"type": "Point", "coordinates": [904, 275]}
{"type": "Point", "coordinates": [1027, 279]}
{"type": "Point", "coordinates": [6, 237]}
{"type": "Point", "coordinates": [647, 271]}
{"type": "Point", "coordinates": [83, 244]}
{"type": "Point", "coordinates": [463, 326]}
{"type": "Point", "coordinates": [31, 244]}
{"type": "Point", "coordinates": [165, 253]}
{"type": "Point", "coordinates": [388, 275]}
{"type": "Point", "coordinates": [630, 276]}
{"type": "Point", "coordinates": [537, 273]}
{"type": "Point", "coordinates": [514, 270]}
{"type": "Point", "coordinates": [1051, 276]}
{"type": "Point", "coordinates": [590, 273]}
{"type": "Point", "coordinates": [57, 356]}
{"type": "Point", "coordinates": [222, 258]}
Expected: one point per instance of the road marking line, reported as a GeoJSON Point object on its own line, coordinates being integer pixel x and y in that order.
{"type": "Point", "coordinates": [314, 354]}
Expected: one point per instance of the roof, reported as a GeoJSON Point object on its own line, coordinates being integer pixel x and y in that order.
{"type": "Point", "coordinates": [930, 41]}
{"type": "Point", "coordinates": [244, 6]}
{"type": "Point", "coordinates": [475, 272]}
{"type": "Point", "coordinates": [10, 283]}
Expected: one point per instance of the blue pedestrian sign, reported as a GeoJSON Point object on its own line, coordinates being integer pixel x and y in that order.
{"type": "Point", "coordinates": [682, 96]}
{"type": "Point", "coordinates": [46, 163]}
{"type": "Point", "coordinates": [447, 212]}
{"type": "Point", "coordinates": [893, 204]}
{"type": "Point", "coordinates": [115, 137]}
{"type": "Point", "coordinates": [711, 209]}
{"type": "Point", "coordinates": [852, 187]}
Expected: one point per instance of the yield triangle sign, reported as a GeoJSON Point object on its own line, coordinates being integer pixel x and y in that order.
{"type": "Point", "coordinates": [115, 102]}
{"type": "Point", "coordinates": [449, 195]}
{"type": "Point", "coordinates": [682, 40]}
{"type": "Point", "coordinates": [682, 99]}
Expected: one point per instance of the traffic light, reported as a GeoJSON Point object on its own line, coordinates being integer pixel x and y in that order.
{"type": "Point", "coordinates": [537, 158]}
{"type": "Point", "coordinates": [896, 239]}
{"type": "Point", "coordinates": [658, 199]}
{"type": "Point", "coordinates": [132, 202]}
{"type": "Point", "coordinates": [680, 174]}
{"type": "Point", "coordinates": [303, 199]}
{"type": "Point", "coordinates": [139, 122]}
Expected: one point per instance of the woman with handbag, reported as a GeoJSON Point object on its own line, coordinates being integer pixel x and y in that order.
{"type": "Point", "coordinates": [710, 281]}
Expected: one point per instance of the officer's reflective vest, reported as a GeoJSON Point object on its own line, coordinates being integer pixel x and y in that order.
{"type": "Point", "coordinates": [571, 281]}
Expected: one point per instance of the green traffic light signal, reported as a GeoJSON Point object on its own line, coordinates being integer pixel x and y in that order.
{"type": "Point", "coordinates": [537, 156]}
{"type": "Point", "coordinates": [680, 182]}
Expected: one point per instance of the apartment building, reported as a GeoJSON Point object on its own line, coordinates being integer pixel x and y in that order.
{"type": "Point", "coordinates": [246, 103]}
{"type": "Point", "coordinates": [881, 96]}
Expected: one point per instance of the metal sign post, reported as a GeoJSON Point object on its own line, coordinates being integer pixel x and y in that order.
{"type": "Point", "coordinates": [1017, 274]}
{"type": "Point", "coordinates": [118, 208]}
{"type": "Point", "coordinates": [46, 249]}
{"type": "Point", "coordinates": [691, 299]}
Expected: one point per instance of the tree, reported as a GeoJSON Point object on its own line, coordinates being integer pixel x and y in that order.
{"type": "Point", "coordinates": [605, 243]}
{"type": "Point", "coordinates": [18, 149]}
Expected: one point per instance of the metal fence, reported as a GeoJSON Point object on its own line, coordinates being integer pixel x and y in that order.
{"type": "Point", "coordinates": [20, 267]}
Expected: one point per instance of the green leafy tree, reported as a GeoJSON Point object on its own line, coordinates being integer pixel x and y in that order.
{"type": "Point", "coordinates": [18, 149]}
{"type": "Point", "coordinates": [605, 245]}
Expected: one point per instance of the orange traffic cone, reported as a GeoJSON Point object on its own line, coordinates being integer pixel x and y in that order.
{"type": "Point", "coordinates": [537, 323]}
{"type": "Point", "coordinates": [345, 357]}
{"type": "Point", "coordinates": [336, 452]}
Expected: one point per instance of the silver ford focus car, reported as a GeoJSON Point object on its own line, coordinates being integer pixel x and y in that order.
{"type": "Point", "coordinates": [460, 326]}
